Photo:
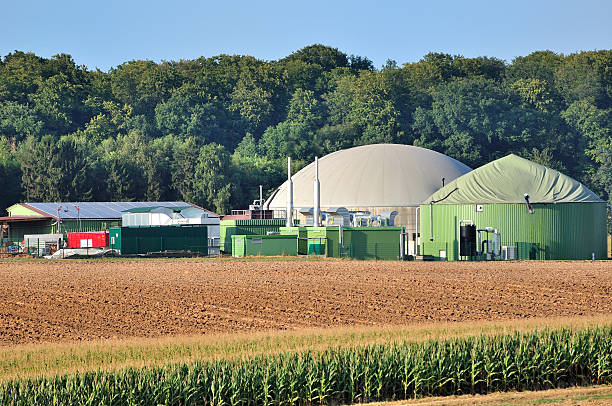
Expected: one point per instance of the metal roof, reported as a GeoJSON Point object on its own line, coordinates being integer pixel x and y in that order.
{"type": "Point", "coordinates": [377, 175]}
{"type": "Point", "coordinates": [96, 210]}
{"type": "Point", "coordinates": [149, 209]}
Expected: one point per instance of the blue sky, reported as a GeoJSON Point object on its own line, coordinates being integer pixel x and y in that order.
{"type": "Point", "coordinates": [111, 32]}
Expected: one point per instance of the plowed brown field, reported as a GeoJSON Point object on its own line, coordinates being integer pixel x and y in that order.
{"type": "Point", "coordinates": [83, 300]}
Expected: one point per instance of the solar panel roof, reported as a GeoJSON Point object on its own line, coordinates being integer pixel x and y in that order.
{"type": "Point", "coordinates": [97, 210]}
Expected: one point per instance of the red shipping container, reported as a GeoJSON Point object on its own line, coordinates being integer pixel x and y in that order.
{"type": "Point", "coordinates": [88, 240]}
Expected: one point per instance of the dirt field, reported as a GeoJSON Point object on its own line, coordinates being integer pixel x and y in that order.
{"type": "Point", "coordinates": [85, 300]}
{"type": "Point", "coordinates": [595, 395]}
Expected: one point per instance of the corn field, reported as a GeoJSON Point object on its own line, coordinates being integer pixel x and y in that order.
{"type": "Point", "coordinates": [475, 365]}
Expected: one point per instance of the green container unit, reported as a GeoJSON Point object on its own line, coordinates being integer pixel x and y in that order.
{"type": "Point", "coordinates": [552, 231]}
{"type": "Point", "coordinates": [246, 227]}
{"type": "Point", "coordinates": [310, 240]}
{"type": "Point", "coordinates": [381, 243]}
{"type": "Point", "coordinates": [316, 240]}
{"type": "Point", "coordinates": [146, 240]}
{"type": "Point", "coordinates": [264, 245]}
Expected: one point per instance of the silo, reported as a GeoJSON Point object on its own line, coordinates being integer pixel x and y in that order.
{"type": "Point", "coordinates": [520, 210]}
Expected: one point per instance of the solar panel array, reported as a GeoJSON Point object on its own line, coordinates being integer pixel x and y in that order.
{"type": "Point", "coordinates": [97, 210]}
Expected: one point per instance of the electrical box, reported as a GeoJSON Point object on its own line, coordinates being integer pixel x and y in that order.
{"type": "Point", "coordinates": [509, 252]}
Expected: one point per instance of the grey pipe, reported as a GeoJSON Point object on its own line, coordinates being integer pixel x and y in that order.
{"type": "Point", "coordinates": [289, 206]}
{"type": "Point", "coordinates": [610, 208]}
{"type": "Point", "coordinates": [317, 197]}
{"type": "Point", "coordinates": [417, 226]}
{"type": "Point", "coordinates": [261, 197]}
{"type": "Point", "coordinates": [431, 221]}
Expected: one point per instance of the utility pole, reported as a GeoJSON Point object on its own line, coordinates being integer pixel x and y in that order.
{"type": "Point", "coordinates": [78, 216]}
{"type": "Point", "coordinates": [59, 219]}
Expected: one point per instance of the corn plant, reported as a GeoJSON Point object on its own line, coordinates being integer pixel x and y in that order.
{"type": "Point", "coordinates": [521, 361]}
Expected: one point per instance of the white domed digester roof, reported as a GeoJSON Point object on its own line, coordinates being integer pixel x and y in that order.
{"type": "Point", "coordinates": [378, 175]}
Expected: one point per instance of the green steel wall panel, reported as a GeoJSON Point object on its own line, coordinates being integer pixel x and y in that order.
{"type": "Point", "coordinates": [373, 242]}
{"type": "Point", "coordinates": [554, 231]}
{"type": "Point", "coordinates": [332, 248]}
{"type": "Point", "coordinates": [114, 238]}
{"type": "Point", "coordinates": [358, 242]}
{"type": "Point", "coordinates": [71, 226]}
{"type": "Point", "coordinates": [144, 240]}
{"type": "Point", "coordinates": [20, 228]}
{"type": "Point", "coordinates": [272, 245]}
{"type": "Point", "coordinates": [317, 238]}
{"type": "Point", "coordinates": [245, 227]}
{"type": "Point", "coordinates": [238, 245]}
{"type": "Point", "coordinates": [265, 245]}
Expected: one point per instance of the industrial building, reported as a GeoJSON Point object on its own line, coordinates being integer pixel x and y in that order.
{"type": "Point", "coordinates": [381, 202]}
{"type": "Point", "coordinates": [513, 208]}
{"type": "Point", "coordinates": [371, 180]}
{"type": "Point", "coordinates": [66, 217]}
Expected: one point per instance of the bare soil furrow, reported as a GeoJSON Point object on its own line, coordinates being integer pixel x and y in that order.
{"type": "Point", "coordinates": [86, 300]}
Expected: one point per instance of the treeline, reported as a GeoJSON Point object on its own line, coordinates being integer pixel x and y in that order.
{"type": "Point", "coordinates": [210, 130]}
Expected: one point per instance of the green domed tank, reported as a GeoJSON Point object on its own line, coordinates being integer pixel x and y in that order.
{"type": "Point", "coordinates": [522, 210]}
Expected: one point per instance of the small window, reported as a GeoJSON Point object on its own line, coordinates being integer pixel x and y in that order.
{"type": "Point", "coordinates": [256, 240]}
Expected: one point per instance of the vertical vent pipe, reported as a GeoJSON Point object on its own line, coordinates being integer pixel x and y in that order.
{"type": "Point", "coordinates": [260, 197]}
{"type": "Point", "coordinates": [317, 197]}
{"type": "Point", "coordinates": [289, 208]}
{"type": "Point", "coordinates": [431, 221]}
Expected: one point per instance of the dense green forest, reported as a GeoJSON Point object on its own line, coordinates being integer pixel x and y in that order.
{"type": "Point", "coordinates": [210, 130]}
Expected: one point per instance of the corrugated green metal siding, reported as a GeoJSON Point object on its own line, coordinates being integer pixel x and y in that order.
{"type": "Point", "coordinates": [373, 242]}
{"type": "Point", "coordinates": [358, 242]}
{"type": "Point", "coordinates": [261, 222]}
{"type": "Point", "coordinates": [265, 245]}
{"type": "Point", "coordinates": [72, 226]}
{"type": "Point", "coordinates": [20, 228]}
{"type": "Point", "coordinates": [332, 248]}
{"type": "Point", "coordinates": [562, 231]}
{"type": "Point", "coordinates": [144, 240]}
{"type": "Point", "coordinates": [245, 227]}
{"type": "Point", "coordinates": [271, 245]}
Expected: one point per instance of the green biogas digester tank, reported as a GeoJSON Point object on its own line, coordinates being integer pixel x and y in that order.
{"type": "Point", "coordinates": [519, 210]}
